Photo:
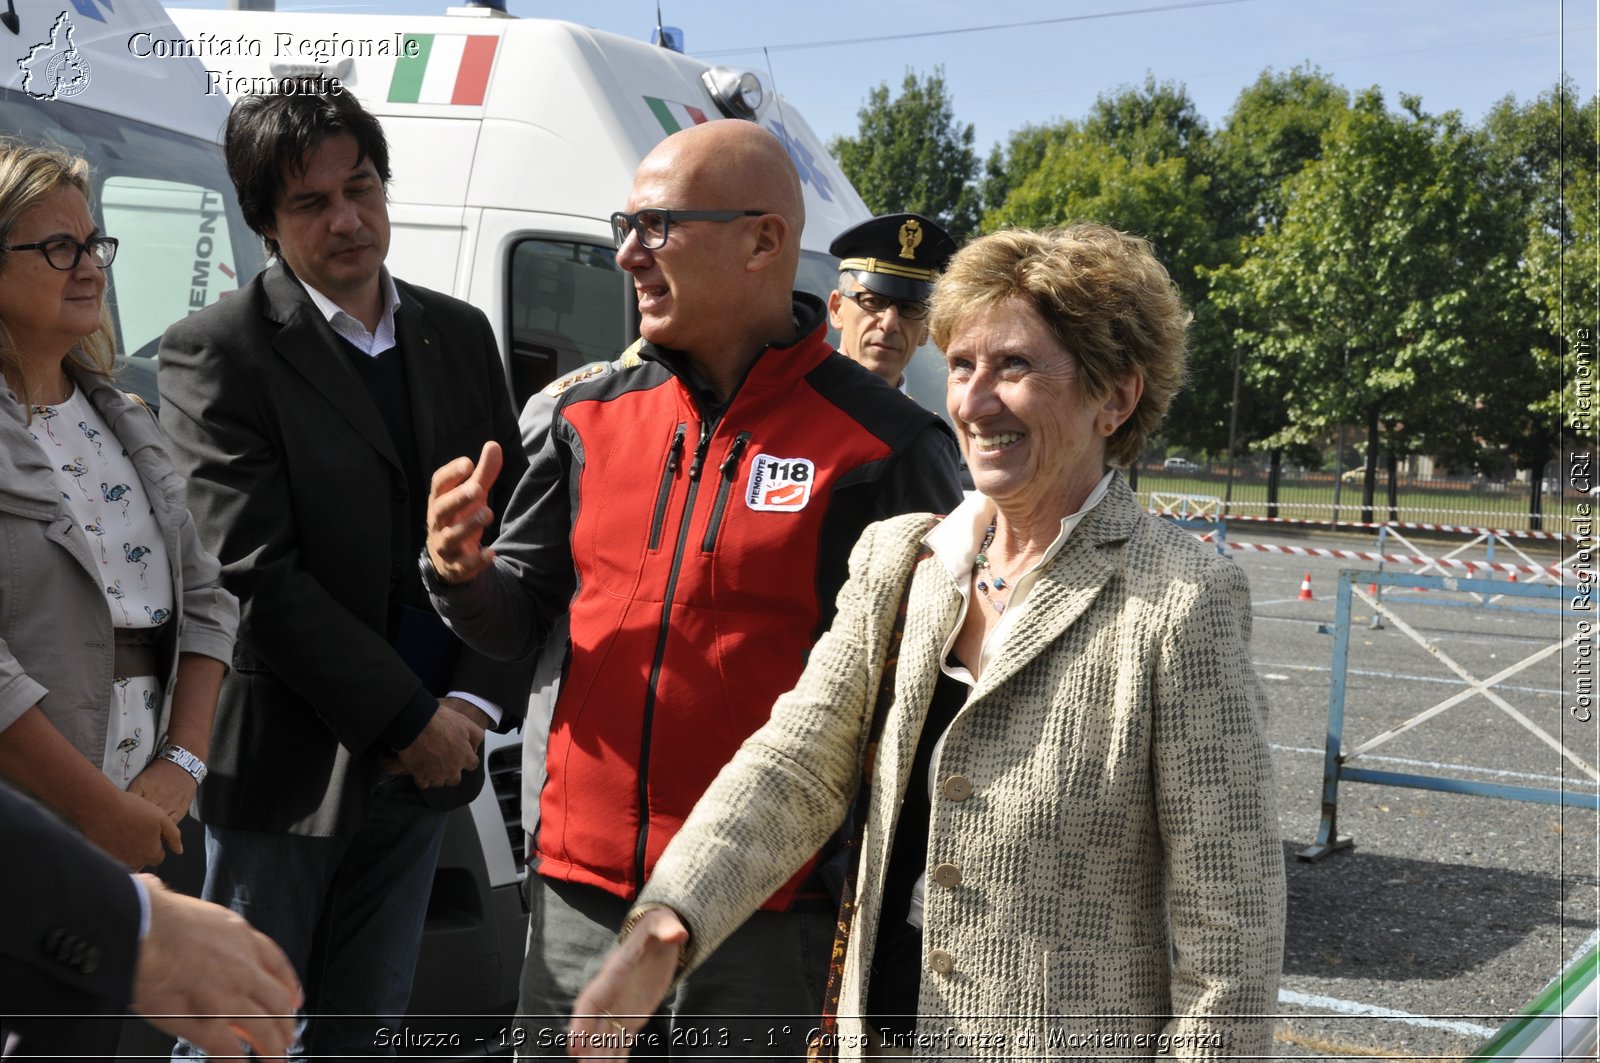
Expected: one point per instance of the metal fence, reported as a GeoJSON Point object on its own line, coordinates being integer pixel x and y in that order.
{"type": "Point", "coordinates": [1339, 757]}
{"type": "Point", "coordinates": [1310, 496]}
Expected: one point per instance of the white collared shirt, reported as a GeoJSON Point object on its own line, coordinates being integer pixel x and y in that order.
{"type": "Point", "coordinates": [346, 325]}
{"type": "Point", "coordinates": [955, 542]}
{"type": "Point", "coordinates": [373, 344]}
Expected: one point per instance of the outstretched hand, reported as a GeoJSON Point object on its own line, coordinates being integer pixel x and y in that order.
{"type": "Point", "coordinates": [630, 985]}
{"type": "Point", "coordinates": [458, 511]}
{"type": "Point", "coordinates": [205, 975]}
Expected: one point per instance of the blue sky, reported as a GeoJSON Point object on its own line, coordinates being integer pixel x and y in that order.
{"type": "Point", "coordinates": [1456, 54]}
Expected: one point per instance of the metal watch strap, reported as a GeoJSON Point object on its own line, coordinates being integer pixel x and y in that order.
{"type": "Point", "coordinates": [185, 760]}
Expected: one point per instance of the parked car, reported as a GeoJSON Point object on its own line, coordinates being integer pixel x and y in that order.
{"type": "Point", "coordinates": [1179, 465]}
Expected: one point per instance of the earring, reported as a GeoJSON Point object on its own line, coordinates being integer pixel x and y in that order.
{"type": "Point", "coordinates": [1109, 428]}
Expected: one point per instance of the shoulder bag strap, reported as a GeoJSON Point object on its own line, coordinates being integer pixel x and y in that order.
{"type": "Point", "coordinates": [823, 1046]}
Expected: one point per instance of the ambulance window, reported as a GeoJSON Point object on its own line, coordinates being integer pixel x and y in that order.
{"type": "Point", "coordinates": [166, 196]}
{"type": "Point", "coordinates": [569, 305]}
{"type": "Point", "coordinates": [175, 255]}
{"type": "Point", "coordinates": [819, 275]}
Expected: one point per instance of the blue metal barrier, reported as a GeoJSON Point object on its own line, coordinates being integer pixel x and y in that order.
{"type": "Point", "coordinates": [1336, 766]}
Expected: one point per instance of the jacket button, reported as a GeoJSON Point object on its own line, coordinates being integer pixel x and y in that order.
{"type": "Point", "coordinates": [957, 788]}
{"type": "Point", "coordinates": [398, 491]}
{"type": "Point", "coordinates": [947, 875]}
{"type": "Point", "coordinates": [940, 961]}
{"type": "Point", "coordinates": [397, 572]}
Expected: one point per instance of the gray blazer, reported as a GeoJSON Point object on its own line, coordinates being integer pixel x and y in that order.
{"type": "Point", "coordinates": [1104, 857]}
{"type": "Point", "coordinates": [56, 646]}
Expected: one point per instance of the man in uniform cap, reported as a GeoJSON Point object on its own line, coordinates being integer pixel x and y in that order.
{"type": "Point", "coordinates": [887, 266]}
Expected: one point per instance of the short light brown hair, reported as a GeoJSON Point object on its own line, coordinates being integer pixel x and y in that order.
{"type": "Point", "coordinates": [28, 175]}
{"type": "Point", "coordinates": [1104, 297]}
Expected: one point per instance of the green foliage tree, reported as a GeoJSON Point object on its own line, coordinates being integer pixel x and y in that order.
{"type": "Point", "coordinates": [1273, 131]}
{"type": "Point", "coordinates": [1010, 164]}
{"type": "Point", "coordinates": [1545, 157]}
{"type": "Point", "coordinates": [1157, 120]}
{"type": "Point", "coordinates": [1394, 271]}
{"type": "Point", "coordinates": [1364, 304]}
{"type": "Point", "coordinates": [911, 154]}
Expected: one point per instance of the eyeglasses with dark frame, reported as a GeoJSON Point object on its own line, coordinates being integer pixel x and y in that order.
{"type": "Point", "coordinates": [653, 223]}
{"type": "Point", "coordinates": [873, 303]}
{"type": "Point", "coordinates": [64, 253]}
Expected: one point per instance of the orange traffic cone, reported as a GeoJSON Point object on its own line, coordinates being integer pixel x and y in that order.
{"type": "Point", "coordinates": [1305, 589]}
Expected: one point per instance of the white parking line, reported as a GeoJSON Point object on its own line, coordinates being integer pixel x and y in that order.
{"type": "Point", "coordinates": [1501, 773]}
{"type": "Point", "coordinates": [1446, 680]}
{"type": "Point", "coordinates": [1351, 1007]}
{"type": "Point", "coordinates": [1488, 639]}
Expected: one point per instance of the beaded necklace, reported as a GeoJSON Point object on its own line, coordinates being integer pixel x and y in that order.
{"type": "Point", "coordinates": [980, 566]}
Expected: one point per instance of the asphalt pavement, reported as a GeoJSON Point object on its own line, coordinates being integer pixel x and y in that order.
{"type": "Point", "coordinates": [1451, 911]}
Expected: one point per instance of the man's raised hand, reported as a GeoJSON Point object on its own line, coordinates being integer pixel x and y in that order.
{"type": "Point", "coordinates": [458, 511]}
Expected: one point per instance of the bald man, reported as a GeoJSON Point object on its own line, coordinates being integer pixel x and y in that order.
{"type": "Point", "coordinates": [697, 512]}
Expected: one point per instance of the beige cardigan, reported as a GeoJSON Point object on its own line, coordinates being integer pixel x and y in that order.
{"type": "Point", "coordinates": [1105, 871]}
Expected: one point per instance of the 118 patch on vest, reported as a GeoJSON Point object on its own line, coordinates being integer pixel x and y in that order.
{"type": "Point", "coordinates": [780, 485]}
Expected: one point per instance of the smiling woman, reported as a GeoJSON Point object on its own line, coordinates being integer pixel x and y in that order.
{"type": "Point", "coordinates": [1073, 841]}
{"type": "Point", "coordinates": [116, 627]}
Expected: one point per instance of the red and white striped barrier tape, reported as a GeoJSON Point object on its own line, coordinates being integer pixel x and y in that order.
{"type": "Point", "coordinates": [1411, 526]}
{"type": "Point", "coordinates": [1401, 559]}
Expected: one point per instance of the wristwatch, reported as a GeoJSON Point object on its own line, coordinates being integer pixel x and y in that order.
{"type": "Point", "coordinates": [185, 760]}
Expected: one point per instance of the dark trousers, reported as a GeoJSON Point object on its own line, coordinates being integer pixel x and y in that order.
{"type": "Point", "coordinates": [756, 996]}
{"type": "Point", "coordinates": [347, 911]}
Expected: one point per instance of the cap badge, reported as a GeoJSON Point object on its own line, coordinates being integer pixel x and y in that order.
{"type": "Point", "coordinates": [910, 238]}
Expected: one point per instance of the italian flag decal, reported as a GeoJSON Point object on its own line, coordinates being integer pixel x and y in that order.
{"type": "Point", "coordinates": [675, 116]}
{"type": "Point", "coordinates": [443, 68]}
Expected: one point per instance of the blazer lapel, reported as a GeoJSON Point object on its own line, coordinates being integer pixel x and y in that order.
{"type": "Point", "coordinates": [1068, 586]}
{"type": "Point", "coordinates": [307, 343]}
{"type": "Point", "coordinates": [27, 483]}
{"type": "Point", "coordinates": [420, 349]}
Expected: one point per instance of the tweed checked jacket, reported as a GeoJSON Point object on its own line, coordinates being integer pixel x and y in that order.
{"type": "Point", "coordinates": [1105, 871]}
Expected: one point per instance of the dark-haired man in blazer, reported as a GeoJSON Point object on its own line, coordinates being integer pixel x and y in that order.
{"type": "Point", "coordinates": [307, 413]}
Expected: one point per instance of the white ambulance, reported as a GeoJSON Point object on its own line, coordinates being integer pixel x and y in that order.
{"type": "Point", "coordinates": [511, 142]}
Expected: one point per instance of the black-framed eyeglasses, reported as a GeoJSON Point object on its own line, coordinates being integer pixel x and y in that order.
{"type": "Point", "coordinates": [653, 223]}
{"type": "Point", "coordinates": [63, 252]}
{"type": "Point", "coordinates": [873, 303]}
